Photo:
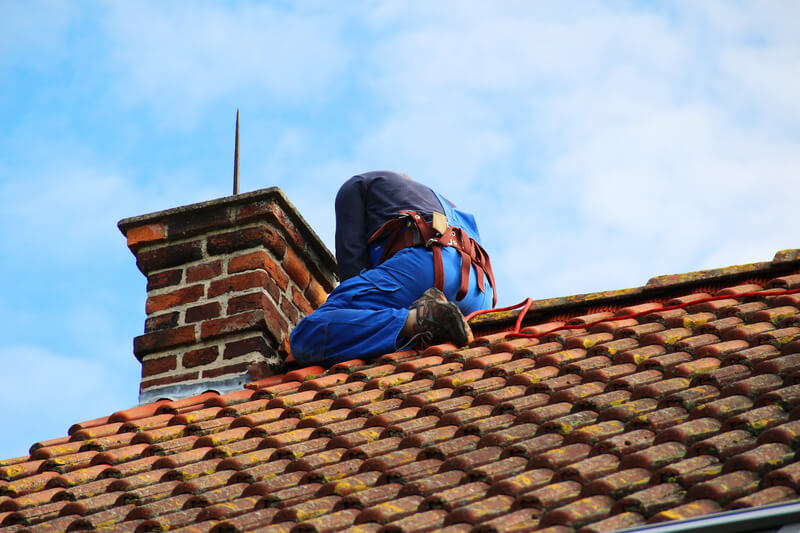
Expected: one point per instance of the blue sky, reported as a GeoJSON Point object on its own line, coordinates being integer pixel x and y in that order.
{"type": "Point", "coordinates": [598, 144]}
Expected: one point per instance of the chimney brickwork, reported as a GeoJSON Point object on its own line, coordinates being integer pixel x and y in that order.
{"type": "Point", "coordinates": [227, 280]}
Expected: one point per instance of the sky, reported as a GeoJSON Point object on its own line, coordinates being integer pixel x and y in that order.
{"type": "Point", "coordinates": [598, 144]}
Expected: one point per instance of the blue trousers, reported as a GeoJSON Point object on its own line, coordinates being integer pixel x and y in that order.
{"type": "Point", "coordinates": [363, 316]}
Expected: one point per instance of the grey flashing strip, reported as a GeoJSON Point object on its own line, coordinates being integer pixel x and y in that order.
{"type": "Point", "coordinates": [768, 518]}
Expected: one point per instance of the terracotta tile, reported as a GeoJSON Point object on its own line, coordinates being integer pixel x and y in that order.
{"type": "Point", "coordinates": [193, 470]}
{"type": "Point", "coordinates": [373, 449]}
{"type": "Point", "coordinates": [339, 391]}
{"type": "Point", "coordinates": [762, 459]}
{"type": "Point", "coordinates": [487, 425]}
{"type": "Point", "coordinates": [593, 433]}
{"type": "Point", "coordinates": [766, 496]}
{"type": "Point", "coordinates": [480, 386]}
{"type": "Point", "coordinates": [629, 410]}
{"type": "Point", "coordinates": [430, 398]}
{"type": "Point", "coordinates": [538, 415]}
{"type": "Point", "coordinates": [564, 425]}
{"type": "Point", "coordinates": [55, 450]}
{"type": "Point", "coordinates": [454, 497]}
{"type": "Point", "coordinates": [398, 357]}
{"type": "Point", "coordinates": [499, 470]}
{"type": "Point", "coordinates": [339, 428]}
{"type": "Point", "coordinates": [757, 420]}
{"type": "Point", "coordinates": [294, 398]}
{"type": "Point", "coordinates": [376, 408]}
{"type": "Point", "coordinates": [286, 438]}
{"type": "Point", "coordinates": [614, 523]}
{"type": "Point", "coordinates": [150, 493]}
{"type": "Point", "coordinates": [691, 398]}
{"type": "Point", "coordinates": [410, 427]}
{"type": "Point", "coordinates": [787, 397]}
{"type": "Point", "coordinates": [562, 358]}
{"type": "Point", "coordinates": [651, 500]}
{"type": "Point", "coordinates": [722, 377]}
{"type": "Point", "coordinates": [693, 321]}
{"type": "Point", "coordinates": [512, 345]}
{"type": "Point", "coordinates": [350, 484]}
{"type": "Point", "coordinates": [41, 497]}
{"type": "Point", "coordinates": [714, 306]}
{"type": "Point", "coordinates": [676, 472]}
{"type": "Point", "coordinates": [159, 507]}
{"type": "Point", "coordinates": [695, 343]}
{"type": "Point", "coordinates": [171, 521]}
{"type": "Point", "coordinates": [508, 392]}
{"type": "Point", "coordinates": [449, 448]}
{"type": "Point", "coordinates": [419, 521]}
{"type": "Point", "coordinates": [632, 381]}
{"type": "Point", "coordinates": [612, 347]}
{"type": "Point", "coordinates": [660, 389]}
{"type": "Point", "coordinates": [323, 382]}
{"type": "Point", "coordinates": [588, 341]}
{"type": "Point", "coordinates": [410, 472]}
{"type": "Point", "coordinates": [509, 436]}
{"type": "Point", "coordinates": [779, 337]}
{"type": "Point", "coordinates": [307, 510]}
{"type": "Point", "coordinates": [389, 511]}
{"type": "Point", "coordinates": [590, 363]}
{"type": "Point", "coordinates": [135, 481]}
{"type": "Point", "coordinates": [328, 417]}
{"type": "Point", "coordinates": [655, 457]}
{"type": "Point", "coordinates": [473, 459]}
{"type": "Point", "coordinates": [203, 483]}
{"type": "Point", "coordinates": [610, 373]}
{"type": "Point", "coordinates": [787, 433]}
{"type": "Point", "coordinates": [638, 331]}
{"type": "Point", "coordinates": [748, 332]}
{"type": "Point", "coordinates": [700, 475]}
{"type": "Point", "coordinates": [440, 349]}
{"type": "Point", "coordinates": [561, 336]}
{"type": "Point", "coordinates": [580, 512]}
{"type": "Point", "coordinates": [263, 479]}
{"type": "Point", "coordinates": [96, 431]}
{"type": "Point", "coordinates": [542, 329]}
{"type": "Point", "coordinates": [687, 510]}
{"type": "Point", "coordinates": [721, 327]}
{"type": "Point", "coordinates": [389, 381]}
{"type": "Point", "coordinates": [788, 476]}
{"type": "Point", "coordinates": [664, 363]}
{"type": "Point", "coordinates": [436, 372]}
{"type": "Point", "coordinates": [355, 438]}
{"type": "Point", "coordinates": [552, 385]}
{"type": "Point", "coordinates": [659, 419]}
{"type": "Point", "coordinates": [638, 355]}
{"type": "Point", "coordinates": [372, 372]}
{"type": "Point", "coordinates": [557, 458]}
{"type": "Point", "coordinates": [465, 416]}
{"type": "Point", "coordinates": [435, 483]}
{"type": "Point", "coordinates": [690, 432]}
{"type": "Point", "coordinates": [550, 496]}
{"type": "Point", "coordinates": [27, 484]}
{"type": "Point", "coordinates": [611, 326]}
{"type": "Point", "coordinates": [726, 488]}
{"type": "Point", "coordinates": [316, 460]}
{"type": "Point", "coordinates": [249, 521]}
{"type": "Point", "coordinates": [481, 510]}
{"type": "Point", "coordinates": [537, 350]}
{"type": "Point", "coordinates": [532, 377]}
{"type": "Point", "coordinates": [390, 460]}
{"type": "Point", "coordinates": [618, 484]}
{"type": "Point", "coordinates": [506, 369]}
{"type": "Point", "coordinates": [258, 418]}
{"type": "Point", "coordinates": [392, 417]}
{"type": "Point", "coordinates": [625, 443]}
{"type": "Point", "coordinates": [754, 387]}
{"type": "Point", "coordinates": [458, 379]}
{"type": "Point", "coordinates": [600, 402]}
{"type": "Point", "coordinates": [588, 469]}
{"type": "Point", "coordinates": [289, 496]}
{"type": "Point", "coordinates": [407, 389]}
{"type": "Point", "coordinates": [724, 445]}
{"type": "Point", "coordinates": [464, 355]}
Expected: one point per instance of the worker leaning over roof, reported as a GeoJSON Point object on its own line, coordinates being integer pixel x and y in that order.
{"type": "Point", "coordinates": [394, 249]}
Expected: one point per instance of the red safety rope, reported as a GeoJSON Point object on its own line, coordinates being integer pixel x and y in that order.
{"type": "Point", "coordinates": [526, 305]}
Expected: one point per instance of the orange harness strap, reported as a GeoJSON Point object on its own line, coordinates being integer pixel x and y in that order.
{"type": "Point", "coordinates": [411, 229]}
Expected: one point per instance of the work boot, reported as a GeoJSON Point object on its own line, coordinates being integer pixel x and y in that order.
{"type": "Point", "coordinates": [439, 321]}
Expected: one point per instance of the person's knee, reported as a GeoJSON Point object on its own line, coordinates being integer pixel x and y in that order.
{"type": "Point", "coordinates": [301, 343]}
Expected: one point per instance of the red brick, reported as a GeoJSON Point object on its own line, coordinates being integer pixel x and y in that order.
{"type": "Point", "coordinates": [198, 221]}
{"type": "Point", "coordinates": [290, 310]}
{"type": "Point", "coordinates": [236, 369]}
{"type": "Point", "coordinates": [174, 298]}
{"type": "Point", "coordinates": [254, 237]}
{"type": "Point", "coordinates": [151, 367]}
{"type": "Point", "coordinates": [243, 347]}
{"type": "Point", "coordinates": [203, 312]}
{"type": "Point", "coordinates": [242, 282]}
{"type": "Point", "coordinates": [301, 302]}
{"type": "Point", "coordinates": [201, 356]}
{"type": "Point", "coordinates": [158, 340]}
{"type": "Point", "coordinates": [315, 293]}
{"type": "Point", "coordinates": [259, 260]}
{"type": "Point", "coordinates": [168, 256]}
{"type": "Point", "coordinates": [269, 210]}
{"type": "Point", "coordinates": [164, 279]}
{"type": "Point", "coordinates": [204, 271]}
{"type": "Point", "coordinates": [159, 322]}
{"type": "Point", "coordinates": [168, 380]}
{"type": "Point", "coordinates": [250, 320]}
{"type": "Point", "coordinates": [296, 269]}
{"type": "Point", "coordinates": [147, 234]}
{"type": "Point", "coordinates": [248, 302]}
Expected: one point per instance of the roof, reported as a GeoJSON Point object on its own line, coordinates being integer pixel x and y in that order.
{"type": "Point", "coordinates": [604, 411]}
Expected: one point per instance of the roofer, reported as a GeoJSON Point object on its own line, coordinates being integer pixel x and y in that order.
{"type": "Point", "coordinates": [411, 266]}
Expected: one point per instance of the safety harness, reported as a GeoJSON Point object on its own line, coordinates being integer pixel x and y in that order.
{"type": "Point", "coordinates": [413, 229]}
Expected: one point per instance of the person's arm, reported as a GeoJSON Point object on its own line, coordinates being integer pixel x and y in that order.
{"type": "Point", "coordinates": [352, 252]}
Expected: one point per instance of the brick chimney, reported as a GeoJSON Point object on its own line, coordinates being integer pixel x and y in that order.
{"type": "Point", "coordinates": [227, 280]}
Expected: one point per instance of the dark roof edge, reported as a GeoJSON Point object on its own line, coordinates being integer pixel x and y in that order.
{"type": "Point", "coordinates": [764, 519]}
{"type": "Point", "coordinates": [784, 260]}
{"type": "Point", "coordinates": [272, 193]}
